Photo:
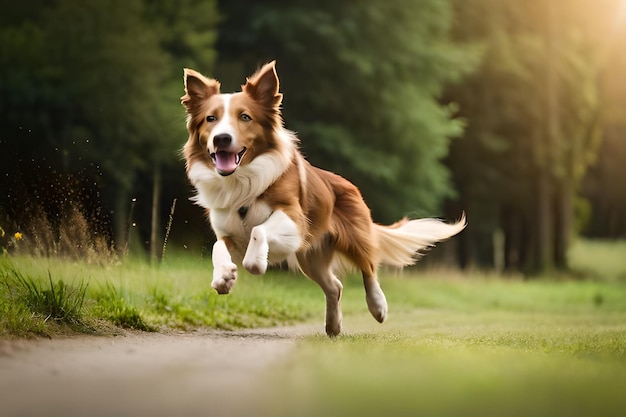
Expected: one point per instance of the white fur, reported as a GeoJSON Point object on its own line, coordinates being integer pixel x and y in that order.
{"type": "Point", "coordinates": [228, 222]}
{"type": "Point", "coordinates": [224, 126]}
{"type": "Point", "coordinates": [246, 183]}
{"type": "Point", "coordinates": [400, 246]}
{"type": "Point", "coordinates": [277, 236]}
{"type": "Point", "coordinates": [224, 270]}
{"type": "Point", "coordinates": [376, 300]}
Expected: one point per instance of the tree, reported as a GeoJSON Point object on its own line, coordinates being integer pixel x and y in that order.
{"type": "Point", "coordinates": [603, 188]}
{"type": "Point", "coordinates": [89, 83]}
{"type": "Point", "coordinates": [532, 111]}
{"type": "Point", "coordinates": [361, 81]}
{"type": "Point", "coordinates": [92, 89]}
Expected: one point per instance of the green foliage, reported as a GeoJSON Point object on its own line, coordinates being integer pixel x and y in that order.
{"type": "Point", "coordinates": [91, 90]}
{"type": "Point", "coordinates": [607, 197]}
{"type": "Point", "coordinates": [361, 82]}
{"type": "Point", "coordinates": [534, 112]}
{"type": "Point", "coordinates": [90, 115]}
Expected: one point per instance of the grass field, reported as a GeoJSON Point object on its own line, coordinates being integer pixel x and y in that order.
{"type": "Point", "coordinates": [455, 344]}
{"type": "Point", "coordinates": [46, 296]}
{"type": "Point", "coordinates": [473, 345]}
{"type": "Point", "coordinates": [469, 348]}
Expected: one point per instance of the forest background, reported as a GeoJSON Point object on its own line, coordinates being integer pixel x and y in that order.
{"type": "Point", "coordinates": [512, 111]}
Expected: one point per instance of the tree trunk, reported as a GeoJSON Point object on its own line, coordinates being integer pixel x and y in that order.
{"type": "Point", "coordinates": [564, 220]}
{"type": "Point", "coordinates": [155, 242]}
{"type": "Point", "coordinates": [551, 163]}
{"type": "Point", "coordinates": [544, 236]}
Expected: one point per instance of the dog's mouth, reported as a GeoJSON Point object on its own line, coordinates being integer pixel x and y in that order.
{"type": "Point", "coordinates": [227, 162]}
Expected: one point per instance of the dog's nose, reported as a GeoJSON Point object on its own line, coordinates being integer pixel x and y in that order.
{"type": "Point", "coordinates": [222, 140]}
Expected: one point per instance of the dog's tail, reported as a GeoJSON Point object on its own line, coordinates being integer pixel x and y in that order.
{"type": "Point", "coordinates": [403, 242]}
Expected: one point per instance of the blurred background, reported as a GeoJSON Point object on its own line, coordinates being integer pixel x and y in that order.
{"type": "Point", "coordinates": [510, 110]}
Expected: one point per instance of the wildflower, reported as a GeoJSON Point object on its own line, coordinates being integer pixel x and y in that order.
{"type": "Point", "coordinates": [18, 236]}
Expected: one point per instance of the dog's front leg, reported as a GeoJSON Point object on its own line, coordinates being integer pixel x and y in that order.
{"type": "Point", "coordinates": [224, 270]}
{"type": "Point", "coordinates": [275, 239]}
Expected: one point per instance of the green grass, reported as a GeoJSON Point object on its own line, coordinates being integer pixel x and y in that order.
{"type": "Point", "coordinates": [450, 364]}
{"type": "Point", "coordinates": [135, 295]}
{"type": "Point", "coordinates": [43, 296]}
{"type": "Point", "coordinates": [470, 347]}
{"type": "Point", "coordinates": [27, 304]}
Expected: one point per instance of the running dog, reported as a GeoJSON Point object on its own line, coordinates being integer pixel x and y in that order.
{"type": "Point", "coordinates": [268, 205]}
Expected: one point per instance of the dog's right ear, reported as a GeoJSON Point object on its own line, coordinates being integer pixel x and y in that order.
{"type": "Point", "coordinates": [198, 89]}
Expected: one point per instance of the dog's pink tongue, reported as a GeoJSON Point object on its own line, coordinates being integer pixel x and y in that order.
{"type": "Point", "coordinates": [226, 161]}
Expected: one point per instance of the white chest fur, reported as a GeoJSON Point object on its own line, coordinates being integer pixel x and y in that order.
{"type": "Point", "coordinates": [237, 223]}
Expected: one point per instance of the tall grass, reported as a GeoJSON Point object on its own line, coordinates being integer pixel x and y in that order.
{"type": "Point", "coordinates": [113, 306]}
{"type": "Point", "coordinates": [177, 294]}
{"type": "Point", "coordinates": [136, 295]}
{"type": "Point", "coordinates": [28, 302]}
{"type": "Point", "coordinates": [57, 301]}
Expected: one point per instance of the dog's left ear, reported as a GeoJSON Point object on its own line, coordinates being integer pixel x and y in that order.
{"type": "Point", "coordinates": [198, 89]}
{"type": "Point", "coordinates": [263, 86]}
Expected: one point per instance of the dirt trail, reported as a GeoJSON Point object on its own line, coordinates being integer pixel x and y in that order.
{"type": "Point", "coordinates": [209, 373]}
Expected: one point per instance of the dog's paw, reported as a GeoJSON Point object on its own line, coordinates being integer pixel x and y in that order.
{"type": "Point", "coordinates": [224, 277]}
{"type": "Point", "coordinates": [333, 327]}
{"type": "Point", "coordinates": [255, 260]}
{"type": "Point", "coordinates": [377, 304]}
{"type": "Point", "coordinates": [256, 267]}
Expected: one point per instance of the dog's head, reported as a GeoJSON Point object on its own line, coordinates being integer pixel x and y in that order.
{"type": "Point", "coordinates": [229, 130]}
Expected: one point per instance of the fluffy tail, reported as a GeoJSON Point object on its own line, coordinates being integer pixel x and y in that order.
{"type": "Point", "coordinates": [400, 244]}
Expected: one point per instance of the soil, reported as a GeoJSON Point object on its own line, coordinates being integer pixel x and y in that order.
{"type": "Point", "coordinates": [206, 373]}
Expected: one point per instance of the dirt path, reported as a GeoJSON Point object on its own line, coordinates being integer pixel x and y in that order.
{"type": "Point", "coordinates": [209, 373]}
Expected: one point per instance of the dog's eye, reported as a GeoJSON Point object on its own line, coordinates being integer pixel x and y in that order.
{"type": "Point", "coordinates": [211, 119]}
{"type": "Point", "coordinates": [245, 118]}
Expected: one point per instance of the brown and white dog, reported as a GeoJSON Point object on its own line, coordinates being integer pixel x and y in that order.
{"type": "Point", "coordinates": [267, 204]}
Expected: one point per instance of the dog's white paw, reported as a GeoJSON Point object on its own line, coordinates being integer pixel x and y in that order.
{"type": "Point", "coordinates": [377, 303]}
{"type": "Point", "coordinates": [255, 260]}
{"type": "Point", "coordinates": [224, 277]}
{"type": "Point", "coordinates": [256, 267]}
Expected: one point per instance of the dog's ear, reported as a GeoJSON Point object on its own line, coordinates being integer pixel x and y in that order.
{"type": "Point", "coordinates": [198, 89]}
{"type": "Point", "coordinates": [263, 86]}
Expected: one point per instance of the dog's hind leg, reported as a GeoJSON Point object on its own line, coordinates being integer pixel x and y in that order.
{"type": "Point", "coordinates": [360, 254]}
{"type": "Point", "coordinates": [356, 241]}
{"type": "Point", "coordinates": [316, 264]}
{"type": "Point", "coordinates": [374, 296]}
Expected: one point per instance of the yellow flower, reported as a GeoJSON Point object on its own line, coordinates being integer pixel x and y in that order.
{"type": "Point", "coordinates": [18, 236]}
